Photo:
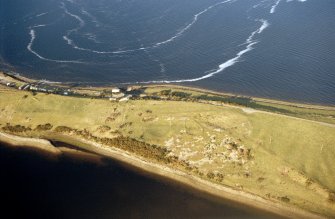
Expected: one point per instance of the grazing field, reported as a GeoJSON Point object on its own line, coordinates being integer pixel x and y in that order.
{"type": "Point", "coordinates": [283, 159]}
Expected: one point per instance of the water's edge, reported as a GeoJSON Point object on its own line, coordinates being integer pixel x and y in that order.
{"type": "Point", "coordinates": [211, 191]}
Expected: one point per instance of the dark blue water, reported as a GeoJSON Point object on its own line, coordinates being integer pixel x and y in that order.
{"type": "Point", "coordinates": [268, 48]}
{"type": "Point", "coordinates": [32, 186]}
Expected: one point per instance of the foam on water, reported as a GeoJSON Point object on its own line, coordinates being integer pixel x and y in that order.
{"type": "Point", "coordinates": [39, 15]}
{"type": "Point", "coordinates": [296, 0]}
{"type": "Point", "coordinates": [195, 19]}
{"type": "Point", "coordinates": [39, 25]}
{"type": "Point", "coordinates": [93, 19]}
{"type": "Point", "coordinates": [30, 48]}
{"type": "Point", "coordinates": [250, 43]}
{"type": "Point", "coordinates": [273, 8]}
{"type": "Point", "coordinates": [155, 45]}
{"type": "Point", "coordinates": [69, 32]}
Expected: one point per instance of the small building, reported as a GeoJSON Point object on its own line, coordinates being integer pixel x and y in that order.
{"type": "Point", "coordinates": [143, 95]}
{"type": "Point", "coordinates": [116, 90]}
{"type": "Point", "coordinates": [22, 86]}
{"type": "Point", "coordinates": [26, 87]}
{"type": "Point", "coordinates": [126, 98]}
{"type": "Point", "coordinates": [130, 88]}
{"type": "Point", "coordinates": [50, 90]}
{"type": "Point", "coordinates": [118, 95]}
{"type": "Point", "coordinates": [10, 84]}
{"type": "Point", "coordinates": [112, 99]}
{"type": "Point", "coordinates": [33, 88]}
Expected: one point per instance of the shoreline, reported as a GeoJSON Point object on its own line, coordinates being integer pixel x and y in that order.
{"type": "Point", "coordinates": [260, 99]}
{"type": "Point", "coordinates": [158, 170]}
{"type": "Point", "coordinates": [41, 145]}
{"type": "Point", "coordinates": [47, 149]}
{"type": "Point", "coordinates": [298, 104]}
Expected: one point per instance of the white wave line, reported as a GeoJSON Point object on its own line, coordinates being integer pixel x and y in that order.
{"type": "Point", "coordinates": [30, 48]}
{"type": "Point", "coordinates": [250, 43]}
{"type": "Point", "coordinates": [69, 32]}
{"type": "Point", "coordinates": [177, 35]}
{"type": "Point", "coordinates": [297, 0]}
{"type": "Point", "coordinates": [195, 19]}
{"type": "Point", "coordinates": [39, 15]}
{"type": "Point", "coordinates": [93, 19]}
{"type": "Point", "coordinates": [273, 8]}
{"type": "Point", "coordinates": [92, 37]}
{"type": "Point", "coordinates": [39, 25]}
{"type": "Point", "coordinates": [82, 24]}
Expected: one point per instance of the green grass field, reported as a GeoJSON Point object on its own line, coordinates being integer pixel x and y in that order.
{"type": "Point", "coordinates": [281, 158]}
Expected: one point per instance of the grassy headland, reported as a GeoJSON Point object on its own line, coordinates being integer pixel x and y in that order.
{"type": "Point", "coordinates": [281, 153]}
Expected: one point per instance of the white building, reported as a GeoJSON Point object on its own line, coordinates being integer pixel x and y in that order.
{"type": "Point", "coordinates": [115, 90]}
{"type": "Point", "coordinates": [118, 95]}
{"type": "Point", "coordinates": [125, 98]}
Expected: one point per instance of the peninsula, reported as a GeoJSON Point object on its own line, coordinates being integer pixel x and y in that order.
{"type": "Point", "coordinates": [272, 155]}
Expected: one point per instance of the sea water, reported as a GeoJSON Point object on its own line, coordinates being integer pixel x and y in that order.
{"type": "Point", "coordinates": [40, 188]}
{"type": "Point", "coordinates": [281, 49]}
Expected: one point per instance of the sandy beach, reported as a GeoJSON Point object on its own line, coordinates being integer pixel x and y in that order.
{"type": "Point", "coordinates": [41, 145]}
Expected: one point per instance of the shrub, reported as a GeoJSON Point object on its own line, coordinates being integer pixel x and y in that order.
{"type": "Point", "coordinates": [44, 127]}
{"type": "Point", "coordinates": [165, 92]}
{"type": "Point", "coordinates": [210, 175]}
{"type": "Point", "coordinates": [180, 94]}
{"type": "Point", "coordinates": [284, 199]}
{"type": "Point", "coordinates": [104, 128]}
{"type": "Point", "coordinates": [331, 197]}
{"type": "Point", "coordinates": [63, 129]}
{"type": "Point", "coordinates": [16, 128]}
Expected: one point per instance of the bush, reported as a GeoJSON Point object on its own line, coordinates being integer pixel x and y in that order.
{"type": "Point", "coordinates": [331, 197]}
{"type": "Point", "coordinates": [63, 129]}
{"type": "Point", "coordinates": [16, 128]}
{"type": "Point", "coordinates": [165, 92]}
{"type": "Point", "coordinates": [210, 175]}
{"type": "Point", "coordinates": [285, 199]}
{"type": "Point", "coordinates": [180, 94]}
{"type": "Point", "coordinates": [44, 127]}
{"type": "Point", "coordinates": [104, 128]}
